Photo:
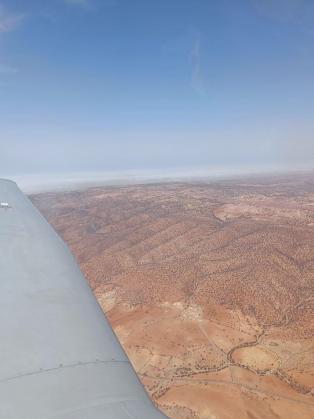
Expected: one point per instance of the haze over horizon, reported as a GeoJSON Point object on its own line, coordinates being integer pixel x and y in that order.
{"type": "Point", "coordinates": [115, 86]}
{"type": "Point", "coordinates": [163, 151]}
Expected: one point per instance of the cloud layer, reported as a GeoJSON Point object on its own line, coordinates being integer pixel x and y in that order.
{"type": "Point", "coordinates": [197, 79]}
{"type": "Point", "coordinates": [9, 21]}
{"type": "Point", "coordinates": [6, 69]}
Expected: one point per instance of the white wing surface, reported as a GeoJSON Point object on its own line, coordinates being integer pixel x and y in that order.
{"type": "Point", "coordinates": [59, 358]}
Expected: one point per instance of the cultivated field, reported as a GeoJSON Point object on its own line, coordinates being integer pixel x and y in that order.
{"type": "Point", "coordinates": [209, 287]}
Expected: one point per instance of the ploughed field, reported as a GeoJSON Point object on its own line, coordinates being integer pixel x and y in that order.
{"type": "Point", "coordinates": [208, 286]}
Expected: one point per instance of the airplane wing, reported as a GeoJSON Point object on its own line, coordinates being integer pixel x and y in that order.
{"type": "Point", "coordinates": [59, 358]}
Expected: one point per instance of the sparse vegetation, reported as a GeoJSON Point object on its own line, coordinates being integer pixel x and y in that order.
{"type": "Point", "coordinates": [209, 287]}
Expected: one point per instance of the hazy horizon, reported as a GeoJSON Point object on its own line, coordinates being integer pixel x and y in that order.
{"type": "Point", "coordinates": [53, 182]}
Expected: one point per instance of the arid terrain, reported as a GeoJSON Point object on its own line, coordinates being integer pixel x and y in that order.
{"type": "Point", "coordinates": [208, 286]}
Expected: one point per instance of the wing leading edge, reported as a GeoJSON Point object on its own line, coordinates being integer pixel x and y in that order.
{"type": "Point", "coordinates": [59, 356]}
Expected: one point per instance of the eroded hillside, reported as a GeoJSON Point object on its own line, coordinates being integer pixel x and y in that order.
{"type": "Point", "coordinates": [209, 287]}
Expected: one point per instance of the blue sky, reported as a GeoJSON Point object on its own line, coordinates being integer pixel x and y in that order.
{"type": "Point", "coordinates": [112, 85]}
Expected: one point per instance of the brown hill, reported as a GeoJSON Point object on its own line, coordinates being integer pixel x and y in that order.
{"type": "Point", "coordinates": [209, 287]}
